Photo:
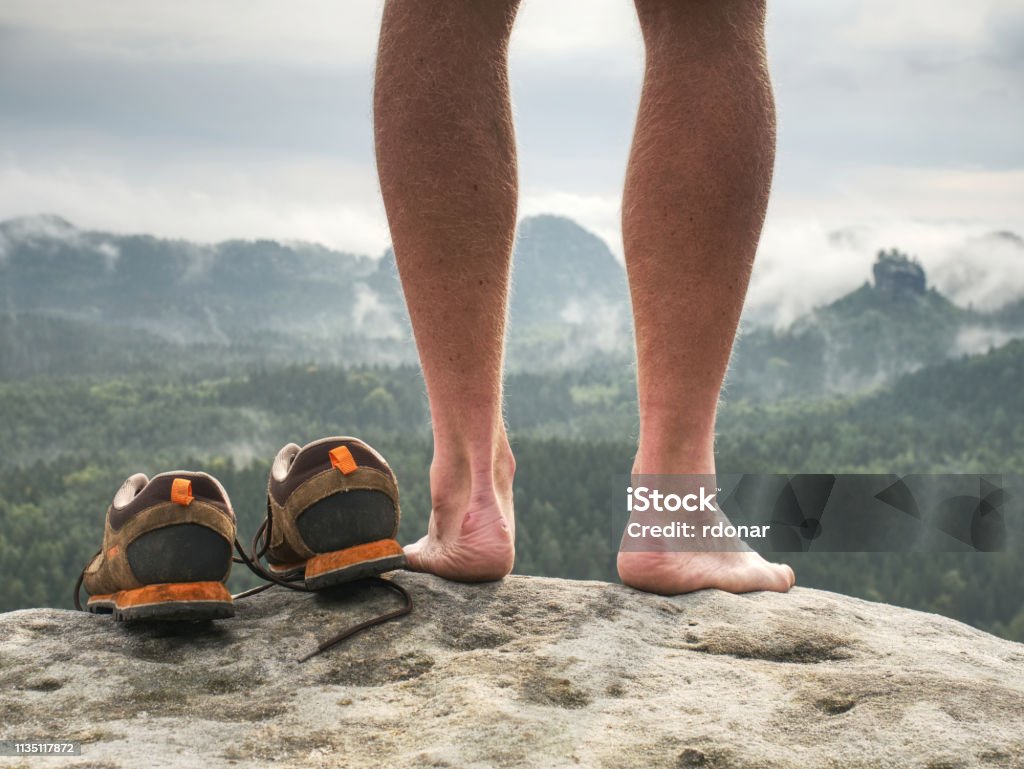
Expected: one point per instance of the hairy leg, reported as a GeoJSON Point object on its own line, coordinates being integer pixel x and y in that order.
{"type": "Point", "coordinates": [696, 192]}
{"type": "Point", "coordinates": [446, 159]}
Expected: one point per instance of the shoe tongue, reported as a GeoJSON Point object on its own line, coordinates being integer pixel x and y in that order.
{"type": "Point", "coordinates": [130, 489]}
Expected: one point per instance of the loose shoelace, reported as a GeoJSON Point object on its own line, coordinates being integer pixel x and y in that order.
{"type": "Point", "coordinates": [253, 561]}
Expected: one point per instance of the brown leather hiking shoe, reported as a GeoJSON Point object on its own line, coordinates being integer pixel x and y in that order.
{"type": "Point", "coordinates": [332, 514]}
{"type": "Point", "coordinates": [167, 546]}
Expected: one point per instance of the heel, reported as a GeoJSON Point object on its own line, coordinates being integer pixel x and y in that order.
{"type": "Point", "coordinates": [170, 601]}
{"type": "Point", "coordinates": [182, 552]}
{"type": "Point", "coordinates": [347, 519]}
{"type": "Point", "coordinates": [352, 563]}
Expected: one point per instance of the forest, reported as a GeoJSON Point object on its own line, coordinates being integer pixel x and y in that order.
{"type": "Point", "coordinates": [130, 353]}
{"type": "Point", "coordinates": [70, 440]}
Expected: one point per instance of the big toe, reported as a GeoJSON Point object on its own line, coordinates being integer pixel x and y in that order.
{"type": "Point", "coordinates": [792, 575]}
{"type": "Point", "coordinates": [782, 577]}
{"type": "Point", "coordinates": [414, 555]}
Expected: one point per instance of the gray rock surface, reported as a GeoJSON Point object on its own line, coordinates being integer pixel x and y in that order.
{"type": "Point", "coordinates": [526, 672]}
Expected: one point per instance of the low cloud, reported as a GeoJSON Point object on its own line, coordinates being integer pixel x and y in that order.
{"type": "Point", "coordinates": [372, 317]}
{"type": "Point", "coordinates": [806, 263]}
{"type": "Point", "coordinates": [980, 339]}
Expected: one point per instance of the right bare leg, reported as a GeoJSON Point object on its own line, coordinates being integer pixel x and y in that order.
{"type": "Point", "coordinates": [446, 159]}
{"type": "Point", "coordinates": [696, 192]}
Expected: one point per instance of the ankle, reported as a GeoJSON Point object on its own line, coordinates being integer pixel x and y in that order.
{"type": "Point", "coordinates": [464, 476]}
{"type": "Point", "coordinates": [678, 457]}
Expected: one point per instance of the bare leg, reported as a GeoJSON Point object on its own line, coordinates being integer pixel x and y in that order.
{"type": "Point", "coordinates": [446, 158]}
{"type": "Point", "coordinates": [696, 191]}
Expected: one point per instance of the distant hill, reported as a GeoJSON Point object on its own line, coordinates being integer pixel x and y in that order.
{"type": "Point", "coordinates": [556, 258]}
{"type": "Point", "coordinates": [876, 333]}
{"type": "Point", "coordinates": [569, 298]}
{"type": "Point", "coordinates": [294, 301]}
{"type": "Point", "coordinates": [181, 291]}
{"type": "Point", "coordinates": [74, 301]}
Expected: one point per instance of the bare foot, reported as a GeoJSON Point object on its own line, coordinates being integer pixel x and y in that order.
{"type": "Point", "coordinates": [733, 566]}
{"type": "Point", "coordinates": [672, 573]}
{"type": "Point", "coordinates": [471, 535]}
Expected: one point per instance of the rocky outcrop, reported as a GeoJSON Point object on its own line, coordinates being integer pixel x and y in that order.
{"type": "Point", "coordinates": [526, 672]}
{"type": "Point", "coordinates": [897, 275]}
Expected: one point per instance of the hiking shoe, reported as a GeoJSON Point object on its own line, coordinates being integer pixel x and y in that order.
{"type": "Point", "coordinates": [167, 548]}
{"type": "Point", "coordinates": [332, 514]}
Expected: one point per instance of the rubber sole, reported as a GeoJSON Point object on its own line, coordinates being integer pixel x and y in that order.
{"type": "Point", "coordinates": [347, 565]}
{"type": "Point", "coordinates": [181, 601]}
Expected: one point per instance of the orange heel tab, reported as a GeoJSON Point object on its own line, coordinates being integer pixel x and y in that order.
{"type": "Point", "coordinates": [181, 491]}
{"type": "Point", "coordinates": [342, 458]}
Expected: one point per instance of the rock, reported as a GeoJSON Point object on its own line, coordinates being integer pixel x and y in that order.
{"type": "Point", "coordinates": [897, 275]}
{"type": "Point", "coordinates": [526, 672]}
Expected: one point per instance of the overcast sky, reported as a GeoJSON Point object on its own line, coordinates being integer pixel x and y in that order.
{"type": "Point", "coordinates": [900, 123]}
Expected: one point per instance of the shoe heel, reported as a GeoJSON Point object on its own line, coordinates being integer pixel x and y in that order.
{"type": "Point", "coordinates": [347, 519]}
{"type": "Point", "coordinates": [184, 552]}
{"type": "Point", "coordinates": [352, 563]}
{"type": "Point", "coordinates": [173, 601]}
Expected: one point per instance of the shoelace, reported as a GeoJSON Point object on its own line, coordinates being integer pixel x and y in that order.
{"type": "Point", "coordinates": [78, 582]}
{"type": "Point", "coordinates": [253, 561]}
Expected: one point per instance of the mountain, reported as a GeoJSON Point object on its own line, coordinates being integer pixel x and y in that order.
{"type": "Point", "coordinates": [873, 335]}
{"type": "Point", "coordinates": [556, 258]}
{"type": "Point", "coordinates": [74, 301]}
{"type": "Point", "coordinates": [282, 301]}
{"type": "Point", "coordinates": [569, 298]}
{"type": "Point", "coordinates": [181, 291]}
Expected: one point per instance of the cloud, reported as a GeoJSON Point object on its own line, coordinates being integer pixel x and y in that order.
{"type": "Point", "coordinates": [978, 339]}
{"type": "Point", "coordinates": [319, 33]}
{"type": "Point", "coordinates": [916, 24]}
{"type": "Point", "coordinates": [372, 317]}
{"type": "Point", "coordinates": [570, 29]}
{"type": "Point", "coordinates": [803, 263]}
{"type": "Point", "coordinates": [880, 191]}
{"type": "Point", "coordinates": [50, 228]}
{"type": "Point", "coordinates": [207, 200]}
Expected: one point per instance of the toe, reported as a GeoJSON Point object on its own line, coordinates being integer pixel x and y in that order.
{"type": "Point", "coordinates": [414, 555]}
{"type": "Point", "coordinates": [792, 575]}
{"type": "Point", "coordinates": [784, 577]}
